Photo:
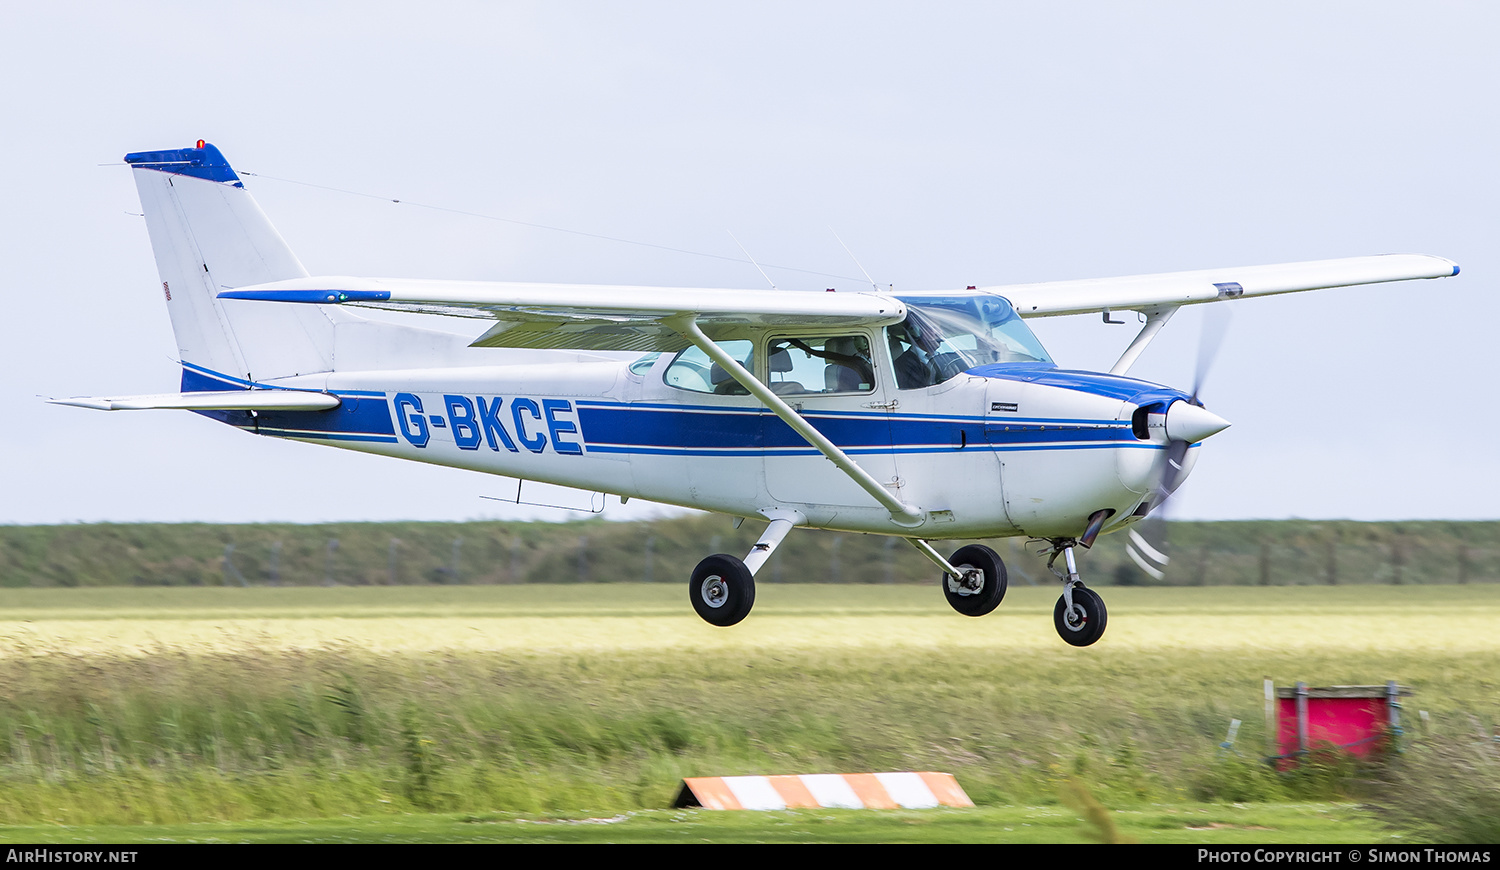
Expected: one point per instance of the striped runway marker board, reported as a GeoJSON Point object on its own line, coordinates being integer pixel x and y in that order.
{"type": "Point", "coordinates": [852, 791]}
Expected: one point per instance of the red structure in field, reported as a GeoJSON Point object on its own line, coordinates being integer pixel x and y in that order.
{"type": "Point", "coordinates": [1359, 720]}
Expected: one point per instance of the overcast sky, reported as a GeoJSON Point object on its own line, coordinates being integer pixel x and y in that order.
{"type": "Point", "coordinates": [948, 144]}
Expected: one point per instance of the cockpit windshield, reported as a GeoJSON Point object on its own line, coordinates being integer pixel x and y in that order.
{"type": "Point", "coordinates": [945, 335]}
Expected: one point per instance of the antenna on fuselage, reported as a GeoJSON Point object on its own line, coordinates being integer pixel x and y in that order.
{"type": "Point", "coordinates": [755, 264]}
{"type": "Point", "coordinates": [873, 285]}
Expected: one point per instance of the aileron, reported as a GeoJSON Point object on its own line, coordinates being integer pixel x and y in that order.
{"type": "Point", "coordinates": [1171, 289]}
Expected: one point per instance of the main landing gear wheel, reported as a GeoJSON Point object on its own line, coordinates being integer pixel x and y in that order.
{"type": "Point", "coordinates": [982, 587]}
{"type": "Point", "coordinates": [722, 590]}
{"type": "Point", "coordinates": [1084, 624]}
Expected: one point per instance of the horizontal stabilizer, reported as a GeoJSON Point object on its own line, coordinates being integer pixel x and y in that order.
{"type": "Point", "coordinates": [228, 400]}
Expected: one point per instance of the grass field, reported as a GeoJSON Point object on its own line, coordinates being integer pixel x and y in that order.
{"type": "Point", "coordinates": [496, 712]}
{"type": "Point", "coordinates": [1196, 824]}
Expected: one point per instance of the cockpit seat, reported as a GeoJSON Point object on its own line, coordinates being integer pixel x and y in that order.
{"type": "Point", "coordinates": [848, 370]}
{"type": "Point", "coordinates": [724, 385]}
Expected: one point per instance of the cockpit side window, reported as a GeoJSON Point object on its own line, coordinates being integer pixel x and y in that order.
{"type": "Point", "coordinates": [915, 354]}
{"type": "Point", "coordinates": [837, 364]}
{"type": "Point", "coordinates": [943, 336]}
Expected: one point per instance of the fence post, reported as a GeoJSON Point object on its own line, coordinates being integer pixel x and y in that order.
{"type": "Point", "coordinates": [1014, 567]}
{"type": "Point", "coordinates": [273, 569]}
{"type": "Point", "coordinates": [230, 571]}
{"type": "Point", "coordinates": [333, 544]}
{"type": "Point", "coordinates": [1272, 750]}
{"type": "Point", "coordinates": [1301, 717]}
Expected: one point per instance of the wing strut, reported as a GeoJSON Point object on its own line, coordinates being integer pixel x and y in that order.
{"type": "Point", "coordinates": [1156, 318]}
{"type": "Point", "coordinates": [902, 514]}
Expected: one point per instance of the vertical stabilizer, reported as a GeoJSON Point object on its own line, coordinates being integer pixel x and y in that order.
{"type": "Point", "coordinates": [209, 235]}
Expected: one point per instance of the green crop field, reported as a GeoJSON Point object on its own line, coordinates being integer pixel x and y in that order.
{"type": "Point", "coordinates": [518, 712]}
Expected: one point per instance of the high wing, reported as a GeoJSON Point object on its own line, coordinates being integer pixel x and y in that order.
{"type": "Point", "coordinates": [1173, 289]}
{"type": "Point", "coordinates": [587, 316]}
{"type": "Point", "coordinates": [626, 318]}
{"type": "Point", "coordinates": [228, 400]}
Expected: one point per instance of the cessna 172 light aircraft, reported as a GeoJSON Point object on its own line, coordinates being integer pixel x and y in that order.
{"type": "Point", "coordinates": [932, 415]}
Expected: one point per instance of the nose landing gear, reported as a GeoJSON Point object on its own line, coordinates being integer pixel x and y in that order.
{"type": "Point", "coordinates": [1080, 615]}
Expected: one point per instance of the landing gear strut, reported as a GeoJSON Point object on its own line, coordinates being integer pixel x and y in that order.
{"type": "Point", "coordinates": [722, 587]}
{"type": "Point", "coordinates": [973, 578]}
{"type": "Point", "coordinates": [1080, 615]}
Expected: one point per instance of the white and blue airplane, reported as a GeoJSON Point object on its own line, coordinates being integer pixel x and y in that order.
{"type": "Point", "coordinates": [931, 415]}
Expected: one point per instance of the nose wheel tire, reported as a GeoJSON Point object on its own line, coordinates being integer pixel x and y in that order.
{"type": "Point", "coordinates": [1085, 624]}
{"type": "Point", "coordinates": [722, 590]}
{"type": "Point", "coordinates": [975, 594]}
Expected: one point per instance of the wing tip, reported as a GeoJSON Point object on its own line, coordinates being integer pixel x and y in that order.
{"type": "Point", "coordinates": [316, 297]}
{"type": "Point", "coordinates": [84, 402]}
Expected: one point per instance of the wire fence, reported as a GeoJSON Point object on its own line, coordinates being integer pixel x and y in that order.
{"type": "Point", "coordinates": [665, 551]}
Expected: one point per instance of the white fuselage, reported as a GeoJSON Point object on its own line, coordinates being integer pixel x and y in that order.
{"type": "Point", "coordinates": [987, 453]}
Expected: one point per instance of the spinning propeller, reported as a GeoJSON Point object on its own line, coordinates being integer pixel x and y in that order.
{"type": "Point", "coordinates": [1187, 422]}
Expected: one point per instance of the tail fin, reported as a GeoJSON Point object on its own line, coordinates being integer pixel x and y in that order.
{"type": "Point", "coordinates": [209, 235]}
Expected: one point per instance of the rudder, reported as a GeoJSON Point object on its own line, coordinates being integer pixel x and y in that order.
{"type": "Point", "coordinates": [208, 235]}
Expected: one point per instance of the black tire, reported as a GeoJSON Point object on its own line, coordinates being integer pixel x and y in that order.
{"type": "Point", "coordinates": [1087, 629]}
{"type": "Point", "coordinates": [990, 594]}
{"type": "Point", "coordinates": [722, 590]}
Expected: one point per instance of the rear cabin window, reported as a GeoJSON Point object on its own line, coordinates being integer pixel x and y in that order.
{"type": "Point", "coordinates": [644, 364]}
{"type": "Point", "coordinates": [693, 370]}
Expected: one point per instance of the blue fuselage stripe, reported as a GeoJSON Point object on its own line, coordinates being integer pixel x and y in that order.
{"type": "Point", "coordinates": [362, 415]}
{"type": "Point", "coordinates": [668, 429]}
{"type": "Point", "coordinates": [328, 436]}
{"type": "Point", "coordinates": [621, 429]}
